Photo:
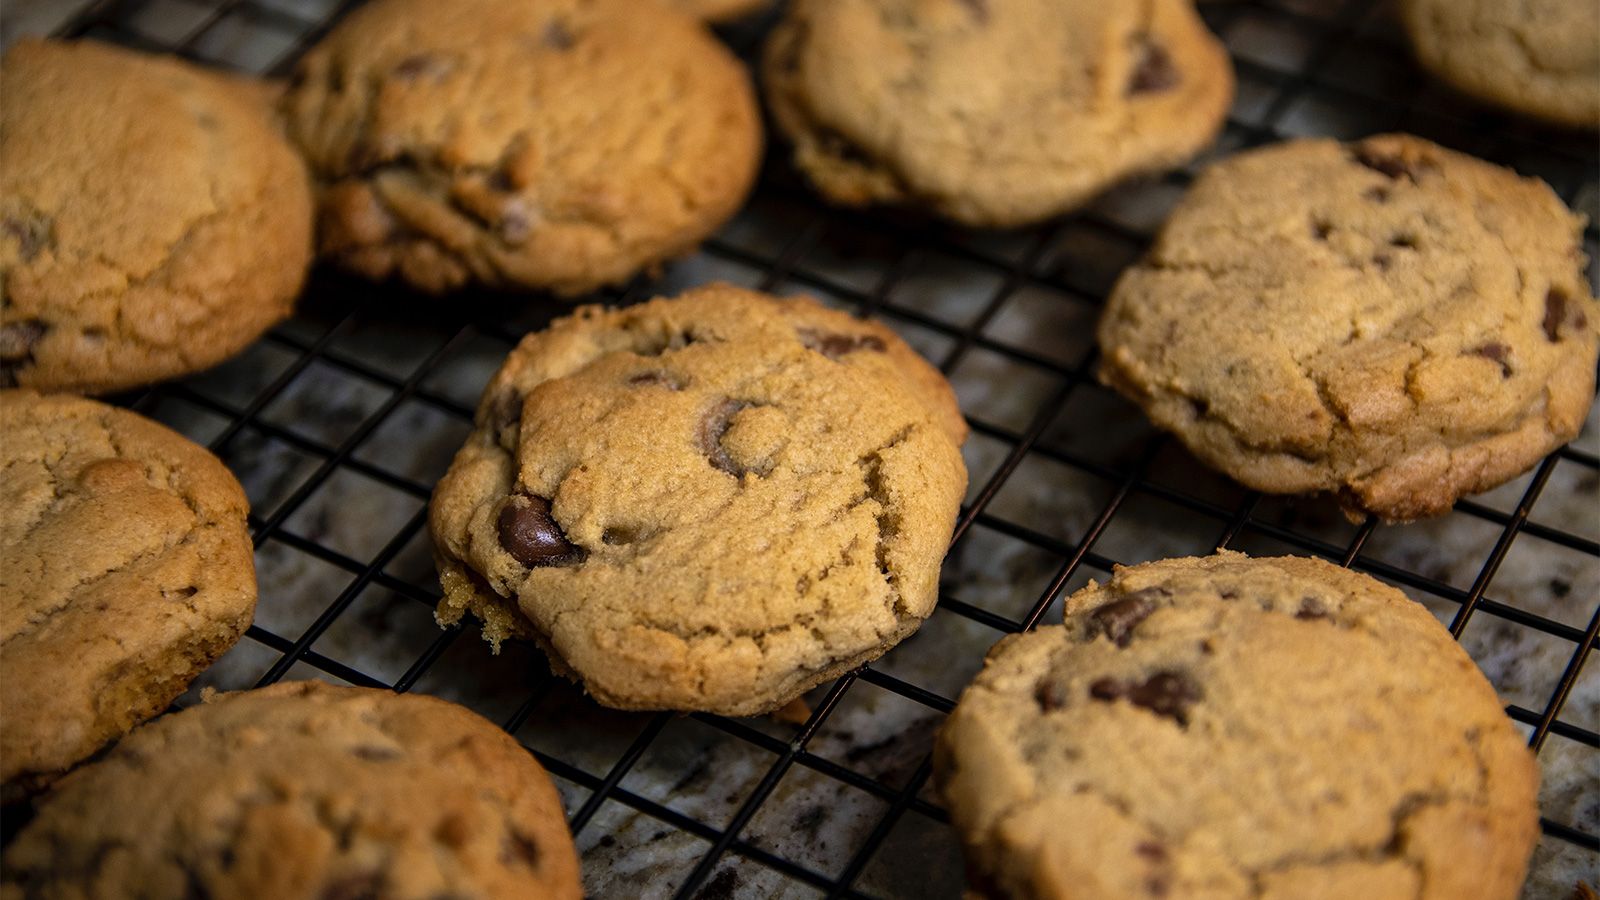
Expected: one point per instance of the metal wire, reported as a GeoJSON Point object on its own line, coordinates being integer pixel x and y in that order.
{"type": "Point", "coordinates": [334, 306]}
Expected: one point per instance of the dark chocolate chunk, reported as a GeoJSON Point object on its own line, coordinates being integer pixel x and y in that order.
{"type": "Point", "coordinates": [521, 848]}
{"type": "Point", "coordinates": [1311, 608]}
{"type": "Point", "coordinates": [1321, 229]}
{"type": "Point", "coordinates": [31, 232]}
{"type": "Point", "coordinates": [1555, 313]}
{"type": "Point", "coordinates": [1049, 695]}
{"type": "Point", "coordinates": [1153, 69]}
{"type": "Point", "coordinates": [834, 345]}
{"type": "Point", "coordinates": [712, 429]}
{"type": "Point", "coordinates": [1500, 353]}
{"type": "Point", "coordinates": [1118, 620]}
{"type": "Point", "coordinates": [531, 535]}
{"type": "Point", "coordinates": [558, 36]}
{"type": "Point", "coordinates": [1166, 693]}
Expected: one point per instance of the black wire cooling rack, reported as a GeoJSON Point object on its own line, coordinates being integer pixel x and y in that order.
{"type": "Point", "coordinates": [392, 379]}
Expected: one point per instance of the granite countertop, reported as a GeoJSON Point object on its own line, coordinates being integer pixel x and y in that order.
{"type": "Point", "coordinates": [358, 395]}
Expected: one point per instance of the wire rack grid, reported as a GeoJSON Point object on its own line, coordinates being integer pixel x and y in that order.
{"type": "Point", "coordinates": [339, 422]}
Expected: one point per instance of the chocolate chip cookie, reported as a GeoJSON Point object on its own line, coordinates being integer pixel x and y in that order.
{"type": "Point", "coordinates": [1234, 727]}
{"type": "Point", "coordinates": [125, 569]}
{"type": "Point", "coordinates": [551, 144]}
{"type": "Point", "coordinates": [992, 114]}
{"type": "Point", "coordinates": [714, 502]}
{"type": "Point", "coordinates": [303, 790]}
{"type": "Point", "coordinates": [153, 220]}
{"type": "Point", "coordinates": [1387, 320]}
{"type": "Point", "coordinates": [1538, 57]}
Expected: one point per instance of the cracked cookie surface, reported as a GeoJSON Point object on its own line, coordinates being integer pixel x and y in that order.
{"type": "Point", "coordinates": [303, 790]}
{"type": "Point", "coordinates": [1387, 320]}
{"type": "Point", "coordinates": [713, 502]}
{"type": "Point", "coordinates": [1538, 57]}
{"type": "Point", "coordinates": [125, 569]}
{"type": "Point", "coordinates": [153, 220]}
{"type": "Point", "coordinates": [553, 144]}
{"type": "Point", "coordinates": [1228, 727]}
{"type": "Point", "coordinates": [990, 113]}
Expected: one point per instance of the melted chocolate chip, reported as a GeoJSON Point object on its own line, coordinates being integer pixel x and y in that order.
{"type": "Point", "coordinates": [1500, 353]}
{"type": "Point", "coordinates": [32, 234]}
{"type": "Point", "coordinates": [520, 848]}
{"type": "Point", "coordinates": [1555, 313]}
{"type": "Point", "coordinates": [1118, 620]}
{"type": "Point", "coordinates": [1404, 241]}
{"type": "Point", "coordinates": [1151, 850]}
{"type": "Point", "coordinates": [1391, 164]}
{"type": "Point", "coordinates": [1320, 229]}
{"type": "Point", "coordinates": [1311, 608]}
{"type": "Point", "coordinates": [531, 535]}
{"type": "Point", "coordinates": [1049, 695]}
{"type": "Point", "coordinates": [1153, 69]}
{"type": "Point", "coordinates": [423, 64]}
{"type": "Point", "coordinates": [834, 345]}
{"type": "Point", "coordinates": [17, 340]}
{"type": "Point", "coordinates": [1166, 693]}
{"type": "Point", "coordinates": [712, 429]}
{"type": "Point", "coordinates": [507, 410]}
{"type": "Point", "coordinates": [558, 36]}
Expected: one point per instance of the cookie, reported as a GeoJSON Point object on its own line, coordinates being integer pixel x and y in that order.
{"type": "Point", "coordinates": [992, 114]}
{"type": "Point", "coordinates": [551, 144]}
{"type": "Point", "coordinates": [1234, 727]}
{"type": "Point", "coordinates": [303, 790]}
{"type": "Point", "coordinates": [125, 569]}
{"type": "Point", "coordinates": [153, 220]}
{"type": "Point", "coordinates": [714, 502]}
{"type": "Point", "coordinates": [1387, 320]}
{"type": "Point", "coordinates": [1537, 57]}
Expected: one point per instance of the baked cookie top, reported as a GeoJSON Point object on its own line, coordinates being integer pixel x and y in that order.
{"type": "Point", "coordinates": [1388, 320]}
{"type": "Point", "coordinates": [125, 568]}
{"type": "Point", "coordinates": [303, 790]}
{"type": "Point", "coordinates": [713, 502]}
{"type": "Point", "coordinates": [992, 114]}
{"type": "Point", "coordinates": [1540, 57]}
{"type": "Point", "coordinates": [560, 144]}
{"type": "Point", "coordinates": [153, 221]}
{"type": "Point", "coordinates": [1235, 727]}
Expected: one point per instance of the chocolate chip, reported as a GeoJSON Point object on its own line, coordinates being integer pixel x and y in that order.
{"type": "Point", "coordinates": [833, 345]}
{"type": "Point", "coordinates": [374, 753]}
{"type": "Point", "coordinates": [1151, 850]}
{"type": "Point", "coordinates": [413, 67]}
{"type": "Point", "coordinates": [1118, 620]}
{"type": "Point", "coordinates": [1404, 241]}
{"type": "Point", "coordinates": [520, 848]}
{"type": "Point", "coordinates": [366, 886]}
{"type": "Point", "coordinates": [1153, 69]}
{"type": "Point", "coordinates": [531, 535]}
{"type": "Point", "coordinates": [1379, 194]}
{"type": "Point", "coordinates": [17, 340]}
{"type": "Point", "coordinates": [1383, 260]}
{"type": "Point", "coordinates": [1498, 352]}
{"type": "Point", "coordinates": [979, 10]}
{"type": "Point", "coordinates": [656, 379]}
{"type": "Point", "coordinates": [1311, 608]}
{"type": "Point", "coordinates": [558, 36]}
{"type": "Point", "coordinates": [1555, 313]}
{"type": "Point", "coordinates": [1391, 164]}
{"type": "Point", "coordinates": [1320, 229]}
{"type": "Point", "coordinates": [713, 427]}
{"type": "Point", "coordinates": [32, 234]}
{"type": "Point", "coordinates": [1166, 693]}
{"type": "Point", "coordinates": [618, 535]}
{"type": "Point", "coordinates": [506, 410]}
{"type": "Point", "coordinates": [1049, 695]}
